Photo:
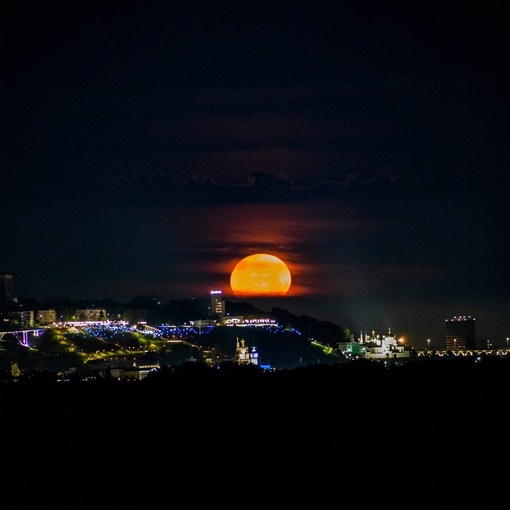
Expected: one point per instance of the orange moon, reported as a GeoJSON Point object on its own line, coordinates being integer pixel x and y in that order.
{"type": "Point", "coordinates": [260, 275]}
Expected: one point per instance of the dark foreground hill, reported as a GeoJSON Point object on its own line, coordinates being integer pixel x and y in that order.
{"type": "Point", "coordinates": [425, 433]}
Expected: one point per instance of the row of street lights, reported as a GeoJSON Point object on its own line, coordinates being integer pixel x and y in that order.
{"type": "Point", "coordinates": [455, 343]}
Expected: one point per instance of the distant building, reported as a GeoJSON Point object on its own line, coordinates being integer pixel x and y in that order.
{"type": "Point", "coordinates": [6, 294]}
{"type": "Point", "coordinates": [460, 333]}
{"type": "Point", "coordinates": [23, 318]}
{"type": "Point", "coordinates": [134, 373]}
{"type": "Point", "coordinates": [217, 307]}
{"type": "Point", "coordinates": [208, 324]}
{"type": "Point", "coordinates": [377, 347]}
{"type": "Point", "coordinates": [384, 347]}
{"type": "Point", "coordinates": [350, 348]}
{"type": "Point", "coordinates": [244, 355]}
{"type": "Point", "coordinates": [249, 321]}
{"type": "Point", "coordinates": [254, 356]}
{"type": "Point", "coordinates": [92, 314]}
{"type": "Point", "coordinates": [45, 317]}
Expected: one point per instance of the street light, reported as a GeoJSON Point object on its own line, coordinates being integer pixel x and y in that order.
{"type": "Point", "coordinates": [507, 342]}
{"type": "Point", "coordinates": [428, 343]}
{"type": "Point", "coordinates": [454, 344]}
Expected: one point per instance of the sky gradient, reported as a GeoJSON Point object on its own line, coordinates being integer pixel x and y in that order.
{"type": "Point", "coordinates": [147, 148]}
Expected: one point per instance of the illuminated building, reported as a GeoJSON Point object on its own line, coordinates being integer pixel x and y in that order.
{"type": "Point", "coordinates": [254, 356]}
{"type": "Point", "coordinates": [351, 348]}
{"type": "Point", "coordinates": [383, 347]}
{"type": "Point", "coordinates": [460, 333]}
{"type": "Point", "coordinates": [244, 355]}
{"type": "Point", "coordinates": [217, 308]}
{"type": "Point", "coordinates": [45, 317]}
{"type": "Point", "coordinates": [136, 372]}
{"type": "Point", "coordinates": [242, 321]}
{"type": "Point", "coordinates": [24, 318]}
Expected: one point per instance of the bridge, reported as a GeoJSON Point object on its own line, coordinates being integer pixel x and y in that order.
{"type": "Point", "coordinates": [22, 336]}
{"type": "Point", "coordinates": [494, 351]}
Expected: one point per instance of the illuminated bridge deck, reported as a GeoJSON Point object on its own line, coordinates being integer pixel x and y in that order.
{"type": "Point", "coordinates": [463, 352]}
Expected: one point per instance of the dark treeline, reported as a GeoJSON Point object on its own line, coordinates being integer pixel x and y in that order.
{"type": "Point", "coordinates": [433, 431]}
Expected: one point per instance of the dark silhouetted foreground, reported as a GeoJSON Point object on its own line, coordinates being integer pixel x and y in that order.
{"type": "Point", "coordinates": [428, 432]}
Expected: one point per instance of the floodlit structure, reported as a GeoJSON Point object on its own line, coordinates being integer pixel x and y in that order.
{"type": "Point", "coordinates": [245, 355]}
{"type": "Point", "coordinates": [383, 347]}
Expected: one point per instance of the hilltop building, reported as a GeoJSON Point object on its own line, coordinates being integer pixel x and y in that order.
{"type": "Point", "coordinates": [217, 306]}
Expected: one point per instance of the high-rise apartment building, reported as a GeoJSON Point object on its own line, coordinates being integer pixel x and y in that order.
{"type": "Point", "coordinates": [460, 333]}
{"type": "Point", "coordinates": [6, 295]}
{"type": "Point", "coordinates": [217, 309]}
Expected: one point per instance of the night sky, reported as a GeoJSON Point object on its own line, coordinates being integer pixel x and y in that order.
{"type": "Point", "coordinates": [147, 147]}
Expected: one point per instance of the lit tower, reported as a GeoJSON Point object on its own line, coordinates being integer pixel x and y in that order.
{"type": "Point", "coordinates": [217, 308]}
{"type": "Point", "coordinates": [460, 333]}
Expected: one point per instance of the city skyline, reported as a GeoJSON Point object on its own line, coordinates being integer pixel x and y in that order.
{"type": "Point", "coordinates": [147, 150]}
{"type": "Point", "coordinates": [459, 332]}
